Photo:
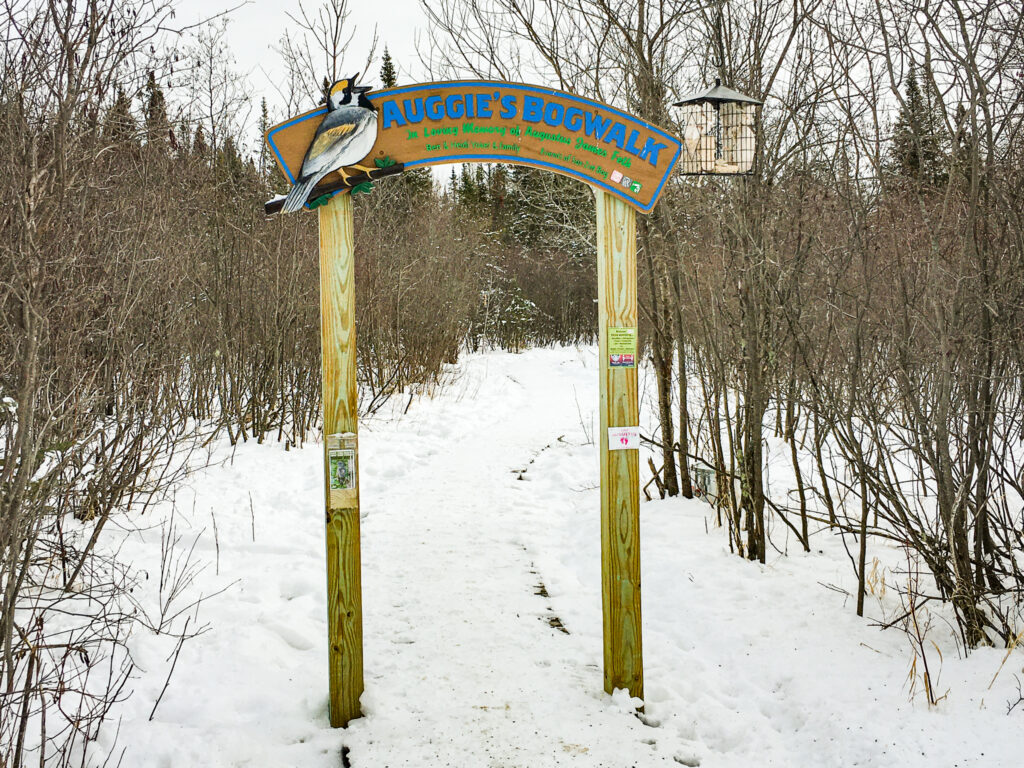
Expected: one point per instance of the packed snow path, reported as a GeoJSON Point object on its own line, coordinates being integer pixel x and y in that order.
{"type": "Point", "coordinates": [482, 614]}
{"type": "Point", "coordinates": [460, 645]}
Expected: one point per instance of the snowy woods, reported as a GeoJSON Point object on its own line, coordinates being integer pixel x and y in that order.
{"type": "Point", "coordinates": [858, 296]}
{"type": "Point", "coordinates": [858, 299]}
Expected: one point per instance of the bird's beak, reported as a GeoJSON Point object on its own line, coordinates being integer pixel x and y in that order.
{"type": "Point", "coordinates": [358, 88]}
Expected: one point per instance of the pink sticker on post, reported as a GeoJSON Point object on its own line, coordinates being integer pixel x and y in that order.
{"type": "Point", "coordinates": [623, 438]}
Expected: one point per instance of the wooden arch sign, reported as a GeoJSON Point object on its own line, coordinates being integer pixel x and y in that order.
{"type": "Point", "coordinates": [627, 162]}
{"type": "Point", "coordinates": [482, 121]}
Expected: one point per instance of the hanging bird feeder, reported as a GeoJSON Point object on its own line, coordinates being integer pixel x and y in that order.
{"type": "Point", "coordinates": [718, 132]}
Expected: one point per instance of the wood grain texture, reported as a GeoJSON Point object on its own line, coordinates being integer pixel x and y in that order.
{"type": "Point", "coordinates": [338, 341]}
{"type": "Point", "coordinates": [620, 471]}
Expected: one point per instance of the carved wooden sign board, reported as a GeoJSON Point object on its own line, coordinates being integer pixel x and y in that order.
{"type": "Point", "coordinates": [498, 122]}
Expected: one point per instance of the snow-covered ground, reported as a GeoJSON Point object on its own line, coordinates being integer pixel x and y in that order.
{"type": "Point", "coordinates": [480, 529]}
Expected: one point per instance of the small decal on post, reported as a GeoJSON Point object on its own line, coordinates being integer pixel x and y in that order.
{"type": "Point", "coordinates": [341, 462]}
{"type": "Point", "coordinates": [622, 347]}
{"type": "Point", "coordinates": [623, 438]}
{"type": "Point", "coordinates": [343, 469]}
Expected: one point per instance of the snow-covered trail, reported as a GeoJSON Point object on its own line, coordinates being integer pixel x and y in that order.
{"type": "Point", "coordinates": [471, 502]}
{"type": "Point", "coordinates": [462, 664]}
{"type": "Point", "coordinates": [459, 644]}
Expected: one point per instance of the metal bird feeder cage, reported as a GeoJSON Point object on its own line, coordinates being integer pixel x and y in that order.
{"type": "Point", "coordinates": [718, 132]}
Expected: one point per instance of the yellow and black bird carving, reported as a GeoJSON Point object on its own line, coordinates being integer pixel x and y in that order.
{"type": "Point", "coordinates": [345, 136]}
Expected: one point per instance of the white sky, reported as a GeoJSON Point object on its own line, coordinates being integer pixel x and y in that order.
{"type": "Point", "coordinates": [257, 25]}
{"type": "Point", "coordinates": [255, 28]}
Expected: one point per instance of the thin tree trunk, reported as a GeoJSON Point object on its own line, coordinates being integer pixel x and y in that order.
{"type": "Point", "coordinates": [661, 352]}
{"type": "Point", "coordinates": [862, 556]}
{"type": "Point", "coordinates": [791, 438]}
{"type": "Point", "coordinates": [685, 483]}
{"type": "Point", "coordinates": [826, 494]}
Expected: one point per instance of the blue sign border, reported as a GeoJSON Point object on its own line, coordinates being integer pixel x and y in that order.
{"type": "Point", "coordinates": [674, 141]}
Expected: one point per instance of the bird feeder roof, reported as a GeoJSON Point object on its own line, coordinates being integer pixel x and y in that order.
{"type": "Point", "coordinates": [716, 94]}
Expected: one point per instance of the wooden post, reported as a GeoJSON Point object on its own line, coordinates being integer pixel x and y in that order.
{"type": "Point", "coordinates": [620, 471]}
{"type": "Point", "coordinates": [338, 342]}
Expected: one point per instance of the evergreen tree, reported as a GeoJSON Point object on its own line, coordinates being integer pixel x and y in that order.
{"type": "Point", "coordinates": [452, 191]}
{"type": "Point", "coordinates": [468, 194]}
{"type": "Point", "coordinates": [119, 126]}
{"type": "Point", "coordinates": [154, 110]}
{"type": "Point", "coordinates": [961, 151]}
{"type": "Point", "coordinates": [549, 211]}
{"type": "Point", "coordinates": [181, 140]}
{"type": "Point", "coordinates": [200, 149]}
{"type": "Point", "coordinates": [229, 163]}
{"type": "Point", "coordinates": [472, 191]}
{"type": "Point", "coordinates": [264, 164]}
{"type": "Point", "coordinates": [417, 181]}
{"type": "Point", "coordinates": [918, 135]}
{"type": "Point", "coordinates": [388, 74]}
{"type": "Point", "coordinates": [526, 219]}
{"type": "Point", "coordinates": [480, 185]}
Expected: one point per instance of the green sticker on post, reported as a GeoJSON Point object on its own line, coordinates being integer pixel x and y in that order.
{"type": "Point", "coordinates": [622, 347]}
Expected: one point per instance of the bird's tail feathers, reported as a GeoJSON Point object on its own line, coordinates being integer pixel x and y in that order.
{"type": "Point", "coordinates": [297, 196]}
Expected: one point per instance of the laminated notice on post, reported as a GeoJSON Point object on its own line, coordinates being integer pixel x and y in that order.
{"type": "Point", "coordinates": [622, 347]}
{"type": "Point", "coordinates": [343, 469]}
{"type": "Point", "coordinates": [341, 461]}
{"type": "Point", "coordinates": [623, 438]}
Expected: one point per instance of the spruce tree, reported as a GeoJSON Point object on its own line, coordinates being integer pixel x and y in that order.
{"type": "Point", "coordinates": [119, 126]}
{"type": "Point", "coordinates": [466, 193]}
{"type": "Point", "coordinates": [200, 149]}
{"type": "Point", "coordinates": [388, 74]}
{"type": "Point", "coordinates": [263, 164]}
{"type": "Point", "coordinates": [453, 187]}
{"type": "Point", "coordinates": [918, 150]}
{"type": "Point", "coordinates": [181, 140]}
{"type": "Point", "coordinates": [961, 151]}
{"type": "Point", "coordinates": [527, 219]}
{"type": "Point", "coordinates": [154, 111]}
{"type": "Point", "coordinates": [906, 137]}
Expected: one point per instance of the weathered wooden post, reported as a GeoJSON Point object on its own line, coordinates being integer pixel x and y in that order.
{"type": "Point", "coordinates": [341, 468]}
{"type": "Point", "coordinates": [620, 471]}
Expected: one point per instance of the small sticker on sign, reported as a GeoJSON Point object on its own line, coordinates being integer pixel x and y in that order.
{"type": "Point", "coordinates": [623, 438]}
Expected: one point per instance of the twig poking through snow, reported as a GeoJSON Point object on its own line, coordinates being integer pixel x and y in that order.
{"type": "Point", "coordinates": [216, 543]}
{"type": "Point", "coordinates": [167, 682]}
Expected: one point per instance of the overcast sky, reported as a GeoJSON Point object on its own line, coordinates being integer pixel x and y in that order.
{"type": "Point", "coordinates": [256, 26]}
